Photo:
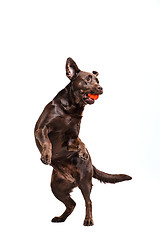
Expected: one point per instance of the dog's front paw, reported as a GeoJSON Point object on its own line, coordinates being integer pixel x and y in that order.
{"type": "Point", "coordinates": [83, 155]}
{"type": "Point", "coordinates": [46, 157]}
{"type": "Point", "coordinates": [46, 160]}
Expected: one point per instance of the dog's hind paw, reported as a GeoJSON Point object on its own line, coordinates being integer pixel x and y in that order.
{"type": "Point", "coordinates": [58, 219]}
{"type": "Point", "coordinates": [88, 222]}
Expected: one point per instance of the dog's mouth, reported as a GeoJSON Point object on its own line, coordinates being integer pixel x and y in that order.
{"type": "Point", "coordinates": [90, 98]}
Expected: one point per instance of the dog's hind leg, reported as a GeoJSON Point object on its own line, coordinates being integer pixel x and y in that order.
{"type": "Point", "coordinates": [70, 205]}
{"type": "Point", "coordinates": [85, 188]}
{"type": "Point", "coordinates": [61, 189]}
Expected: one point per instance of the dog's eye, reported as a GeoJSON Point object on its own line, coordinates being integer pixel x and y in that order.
{"type": "Point", "coordinates": [89, 78]}
{"type": "Point", "coordinates": [97, 80]}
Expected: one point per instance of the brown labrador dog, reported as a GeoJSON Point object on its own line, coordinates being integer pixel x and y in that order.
{"type": "Point", "coordinates": [56, 134]}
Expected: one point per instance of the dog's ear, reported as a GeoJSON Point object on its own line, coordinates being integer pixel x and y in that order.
{"type": "Point", "coordinates": [95, 73]}
{"type": "Point", "coordinates": [71, 68]}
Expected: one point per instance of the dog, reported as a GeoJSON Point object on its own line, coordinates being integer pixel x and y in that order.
{"type": "Point", "coordinates": [57, 138]}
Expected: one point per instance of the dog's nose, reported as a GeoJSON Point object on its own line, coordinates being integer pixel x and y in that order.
{"type": "Point", "coordinates": [100, 89]}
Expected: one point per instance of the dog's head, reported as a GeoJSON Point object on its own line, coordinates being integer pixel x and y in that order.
{"type": "Point", "coordinates": [85, 86]}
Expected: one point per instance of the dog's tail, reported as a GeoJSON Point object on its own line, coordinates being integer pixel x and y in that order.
{"type": "Point", "coordinates": [109, 178]}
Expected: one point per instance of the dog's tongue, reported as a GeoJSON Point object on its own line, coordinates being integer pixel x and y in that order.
{"type": "Point", "coordinates": [93, 96]}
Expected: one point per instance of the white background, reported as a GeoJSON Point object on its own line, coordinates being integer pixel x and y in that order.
{"type": "Point", "coordinates": [120, 40]}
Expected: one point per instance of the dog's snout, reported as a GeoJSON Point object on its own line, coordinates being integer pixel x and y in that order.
{"type": "Point", "coordinates": [100, 89]}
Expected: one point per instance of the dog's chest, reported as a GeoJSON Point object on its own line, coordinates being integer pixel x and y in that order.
{"type": "Point", "coordinates": [68, 124]}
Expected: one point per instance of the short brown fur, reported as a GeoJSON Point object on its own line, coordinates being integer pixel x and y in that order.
{"type": "Point", "coordinates": [57, 138]}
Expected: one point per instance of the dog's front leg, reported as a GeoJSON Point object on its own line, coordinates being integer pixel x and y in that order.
{"type": "Point", "coordinates": [73, 144]}
{"type": "Point", "coordinates": [41, 135]}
